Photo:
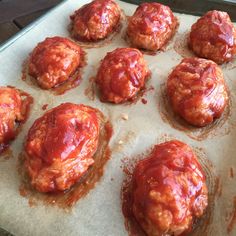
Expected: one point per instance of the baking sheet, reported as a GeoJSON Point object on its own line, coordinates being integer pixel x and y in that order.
{"type": "Point", "coordinates": [99, 213]}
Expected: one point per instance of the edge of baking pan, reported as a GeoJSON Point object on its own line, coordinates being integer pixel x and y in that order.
{"type": "Point", "coordinates": [22, 32]}
{"type": "Point", "coordinates": [176, 5]}
{"type": "Point", "coordinates": [8, 43]}
{"type": "Point", "coordinates": [3, 232]}
{"type": "Point", "coordinates": [193, 7]}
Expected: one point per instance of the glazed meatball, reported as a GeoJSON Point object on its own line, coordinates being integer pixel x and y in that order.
{"type": "Point", "coordinates": [12, 113]}
{"type": "Point", "coordinates": [197, 91]}
{"type": "Point", "coordinates": [151, 26]}
{"type": "Point", "coordinates": [213, 37]}
{"type": "Point", "coordinates": [121, 75]}
{"type": "Point", "coordinates": [60, 146]}
{"type": "Point", "coordinates": [54, 61]}
{"type": "Point", "coordinates": [169, 190]}
{"type": "Point", "coordinates": [96, 20]}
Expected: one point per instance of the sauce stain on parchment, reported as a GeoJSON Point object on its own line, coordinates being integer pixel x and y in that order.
{"type": "Point", "coordinates": [232, 220]}
{"type": "Point", "coordinates": [6, 154]}
{"type": "Point", "coordinates": [181, 45]}
{"type": "Point", "coordinates": [144, 101]}
{"type": "Point", "coordinates": [128, 164]}
{"type": "Point", "coordinates": [45, 107]}
{"type": "Point", "coordinates": [90, 91]}
{"type": "Point", "coordinates": [231, 172]}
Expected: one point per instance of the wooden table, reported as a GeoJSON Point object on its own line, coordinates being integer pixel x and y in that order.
{"type": "Point", "coordinates": [16, 14]}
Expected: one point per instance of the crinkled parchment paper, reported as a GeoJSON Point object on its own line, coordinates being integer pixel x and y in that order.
{"type": "Point", "coordinates": [99, 213]}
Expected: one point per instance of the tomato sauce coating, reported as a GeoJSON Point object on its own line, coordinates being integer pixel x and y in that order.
{"type": "Point", "coordinates": [123, 72]}
{"type": "Point", "coordinates": [169, 190]}
{"type": "Point", "coordinates": [60, 146]}
{"type": "Point", "coordinates": [96, 20]}
{"type": "Point", "coordinates": [151, 26]}
{"type": "Point", "coordinates": [54, 61]}
{"type": "Point", "coordinates": [12, 113]}
{"type": "Point", "coordinates": [213, 37]}
{"type": "Point", "coordinates": [197, 91]}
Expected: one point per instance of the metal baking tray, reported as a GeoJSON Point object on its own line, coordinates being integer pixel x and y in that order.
{"type": "Point", "coordinates": [99, 213]}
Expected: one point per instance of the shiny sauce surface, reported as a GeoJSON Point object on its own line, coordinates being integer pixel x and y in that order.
{"type": "Point", "coordinates": [221, 29]}
{"type": "Point", "coordinates": [14, 110]}
{"type": "Point", "coordinates": [88, 178]}
{"type": "Point", "coordinates": [122, 74]}
{"type": "Point", "coordinates": [95, 20]}
{"type": "Point", "coordinates": [169, 181]}
{"type": "Point", "coordinates": [153, 17]}
{"type": "Point", "coordinates": [55, 64]}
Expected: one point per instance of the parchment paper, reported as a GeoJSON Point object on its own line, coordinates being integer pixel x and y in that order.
{"type": "Point", "coordinates": [99, 213]}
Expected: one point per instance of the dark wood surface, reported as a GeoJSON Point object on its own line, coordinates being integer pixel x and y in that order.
{"type": "Point", "coordinates": [17, 14]}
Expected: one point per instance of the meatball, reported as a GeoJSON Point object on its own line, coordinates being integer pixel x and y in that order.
{"type": "Point", "coordinates": [60, 146]}
{"type": "Point", "coordinates": [54, 61]}
{"type": "Point", "coordinates": [169, 190]}
{"type": "Point", "coordinates": [197, 91]}
{"type": "Point", "coordinates": [121, 75]}
{"type": "Point", "coordinates": [213, 37]}
{"type": "Point", "coordinates": [96, 20]}
{"type": "Point", "coordinates": [10, 114]}
{"type": "Point", "coordinates": [151, 26]}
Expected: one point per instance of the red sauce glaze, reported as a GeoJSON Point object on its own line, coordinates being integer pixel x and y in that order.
{"type": "Point", "coordinates": [197, 91]}
{"type": "Point", "coordinates": [14, 110]}
{"type": "Point", "coordinates": [54, 61]}
{"type": "Point", "coordinates": [151, 26]}
{"type": "Point", "coordinates": [60, 146]}
{"type": "Point", "coordinates": [168, 190]}
{"type": "Point", "coordinates": [67, 199]}
{"type": "Point", "coordinates": [96, 20]}
{"type": "Point", "coordinates": [122, 74]}
{"type": "Point", "coordinates": [213, 37]}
